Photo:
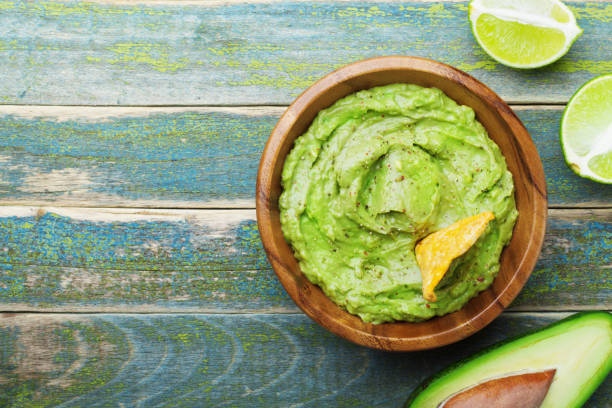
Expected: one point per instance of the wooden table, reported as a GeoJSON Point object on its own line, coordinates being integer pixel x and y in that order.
{"type": "Point", "coordinates": [130, 134]}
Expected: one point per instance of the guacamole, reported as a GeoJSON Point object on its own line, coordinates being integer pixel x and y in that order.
{"type": "Point", "coordinates": [375, 173]}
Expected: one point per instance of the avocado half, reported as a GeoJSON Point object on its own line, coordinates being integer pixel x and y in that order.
{"type": "Point", "coordinates": [579, 348]}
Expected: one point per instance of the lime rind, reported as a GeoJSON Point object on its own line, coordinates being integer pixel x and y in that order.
{"type": "Point", "coordinates": [581, 164]}
{"type": "Point", "coordinates": [560, 18]}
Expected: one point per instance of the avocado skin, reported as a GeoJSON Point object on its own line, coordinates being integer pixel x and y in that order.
{"type": "Point", "coordinates": [597, 379]}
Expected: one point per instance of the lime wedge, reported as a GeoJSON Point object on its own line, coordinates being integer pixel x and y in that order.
{"type": "Point", "coordinates": [586, 130]}
{"type": "Point", "coordinates": [523, 33]}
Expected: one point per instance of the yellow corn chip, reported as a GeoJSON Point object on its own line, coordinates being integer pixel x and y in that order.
{"type": "Point", "coordinates": [435, 252]}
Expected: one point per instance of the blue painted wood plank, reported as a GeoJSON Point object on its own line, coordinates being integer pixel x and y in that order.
{"type": "Point", "coordinates": [71, 52]}
{"type": "Point", "coordinates": [561, 273]}
{"type": "Point", "coordinates": [218, 360]}
{"type": "Point", "coordinates": [106, 260]}
{"type": "Point", "coordinates": [565, 188]}
{"type": "Point", "coordinates": [186, 159]}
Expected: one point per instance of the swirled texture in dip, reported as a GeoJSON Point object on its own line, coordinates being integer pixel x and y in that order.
{"type": "Point", "coordinates": [375, 173]}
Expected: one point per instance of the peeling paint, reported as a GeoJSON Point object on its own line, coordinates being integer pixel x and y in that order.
{"type": "Point", "coordinates": [109, 53]}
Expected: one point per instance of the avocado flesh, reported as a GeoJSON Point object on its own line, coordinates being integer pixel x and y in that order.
{"type": "Point", "coordinates": [578, 347]}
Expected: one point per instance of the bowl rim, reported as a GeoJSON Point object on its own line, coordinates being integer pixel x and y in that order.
{"type": "Point", "coordinates": [535, 176]}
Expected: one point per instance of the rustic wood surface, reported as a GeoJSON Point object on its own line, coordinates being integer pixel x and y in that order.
{"type": "Point", "coordinates": [199, 52]}
{"type": "Point", "coordinates": [183, 173]}
{"type": "Point", "coordinates": [212, 360]}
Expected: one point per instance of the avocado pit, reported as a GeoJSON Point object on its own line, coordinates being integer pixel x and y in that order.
{"type": "Point", "coordinates": [526, 390]}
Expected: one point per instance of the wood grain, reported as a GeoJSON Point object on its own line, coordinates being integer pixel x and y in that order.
{"type": "Point", "coordinates": [134, 157]}
{"type": "Point", "coordinates": [209, 261]}
{"type": "Point", "coordinates": [504, 128]}
{"type": "Point", "coordinates": [217, 361]}
{"type": "Point", "coordinates": [186, 157]}
{"type": "Point", "coordinates": [118, 53]}
{"type": "Point", "coordinates": [217, 52]}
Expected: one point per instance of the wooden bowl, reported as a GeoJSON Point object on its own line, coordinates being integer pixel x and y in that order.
{"type": "Point", "coordinates": [518, 258]}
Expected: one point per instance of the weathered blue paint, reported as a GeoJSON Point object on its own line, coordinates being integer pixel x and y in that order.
{"type": "Point", "coordinates": [191, 159]}
{"type": "Point", "coordinates": [50, 257]}
{"type": "Point", "coordinates": [185, 157]}
{"type": "Point", "coordinates": [218, 360]}
{"type": "Point", "coordinates": [70, 52]}
{"type": "Point", "coordinates": [565, 188]}
{"type": "Point", "coordinates": [557, 270]}
{"type": "Point", "coordinates": [57, 261]}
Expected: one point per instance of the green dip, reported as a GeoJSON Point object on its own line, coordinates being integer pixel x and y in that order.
{"type": "Point", "coordinates": [375, 173]}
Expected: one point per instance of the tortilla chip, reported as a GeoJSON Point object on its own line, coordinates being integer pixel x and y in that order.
{"type": "Point", "coordinates": [435, 252]}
